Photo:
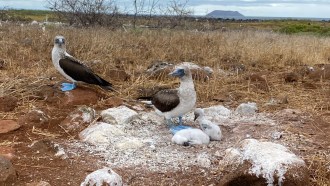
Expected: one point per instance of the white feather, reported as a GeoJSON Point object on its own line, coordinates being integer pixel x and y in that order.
{"type": "Point", "coordinates": [187, 96]}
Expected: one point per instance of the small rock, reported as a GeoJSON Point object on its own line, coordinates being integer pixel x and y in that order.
{"type": "Point", "coordinates": [262, 163]}
{"type": "Point", "coordinates": [8, 103]}
{"type": "Point", "coordinates": [34, 22]}
{"type": "Point", "coordinates": [289, 114]}
{"type": "Point", "coordinates": [42, 146]}
{"type": "Point", "coordinates": [45, 146]}
{"type": "Point", "coordinates": [60, 152]}
{"type": "Point", "coordinates": [104, 177]}
{"type": "Point", "coordinates": [217, 110]}
{"type": "Point", "coordinates": [39, 183]}
{"type": "Point", "coordinates": [34, 117]}
{"type": "Point", "coordinates": [8, 126]}
{"type": "Point", "coordinates": [7, 152]}
{"type": "Point", "coordinates": [113, 102]}
{"type": "Point", "coordinates": [7, 172]}
{"type": "Point", "coordinates": [78, 119]}
{"type": "Point", "coordinates": [80, 96]}
{"type": "Point", "coordinates": [100, 133]}
{"type": "Point", "coordinates": [121, 115]}
{"type": "Point", "coordinates": [245, 109]}
{"type": "Point", "coordinates": [129, 143]}
{"type": "Point", "coordinates": [272, 102]}
{"type": "Point", "coordinates": [203, 160]}
{"type": "Point", "coordinates": [50, 94]}
{"type": "Point", "coordinates": [276, 135]}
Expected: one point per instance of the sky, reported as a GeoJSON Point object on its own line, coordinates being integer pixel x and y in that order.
{"type": "Point", "coordinates": [264, 8]}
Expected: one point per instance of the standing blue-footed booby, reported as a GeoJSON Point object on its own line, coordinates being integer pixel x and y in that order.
{"type": "Point", "coordinates": [72, 69]}
{"type": "Point", "coordinates": [177, 102]}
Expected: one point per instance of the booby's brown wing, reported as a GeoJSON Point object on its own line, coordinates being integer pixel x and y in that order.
{"type": "Point", "coordinates": [166, 100]}
{"type": "Point", "coordinates": [79, 72]}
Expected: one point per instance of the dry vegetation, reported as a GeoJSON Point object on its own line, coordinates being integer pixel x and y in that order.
{"type": "Point", "coordinates": [26, 52]}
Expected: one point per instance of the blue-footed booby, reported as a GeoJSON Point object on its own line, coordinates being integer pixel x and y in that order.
{"type": "Point", "coordinates": [72, 69]}
{"type": "Point", "coordinates": [177, 102]}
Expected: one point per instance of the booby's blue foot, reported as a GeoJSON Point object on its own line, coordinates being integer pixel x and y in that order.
{"type": "Point", "coordinates": [180, 120]}
{"type": "Point", "coordinates": [68, 86]}
{"type": "Point", "coordinates": [175, 129]}
{"type": "Point", "coordinates": [169, 123]}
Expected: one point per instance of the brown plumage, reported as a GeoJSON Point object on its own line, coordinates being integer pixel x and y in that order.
{"type": "Point", "coordinates": [80, 72]}
{"type": "Point", "coordinates": [166, 100]}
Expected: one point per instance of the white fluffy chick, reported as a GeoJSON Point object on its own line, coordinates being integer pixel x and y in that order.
{"type": "Point", "coordinates": [190, 136]}
{"type": "Point", "coordinates": [211, 129]}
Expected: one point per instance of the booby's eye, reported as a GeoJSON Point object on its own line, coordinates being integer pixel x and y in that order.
{"type": "Point", "coordinates": [178, 72]}
{"type": "Point", "coordinates": [181, 71]}
{"type": "Point", "coordinates": [60, 41]}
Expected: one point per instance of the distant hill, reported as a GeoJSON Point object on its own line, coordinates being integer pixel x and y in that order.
{"type": "Point", "coordinates": [224, 14]}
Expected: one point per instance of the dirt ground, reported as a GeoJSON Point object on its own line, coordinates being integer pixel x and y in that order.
{"type": "Point", "coordinates": [304, 134]}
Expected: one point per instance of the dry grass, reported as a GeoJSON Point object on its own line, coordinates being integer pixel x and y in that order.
{"type": "Point", "coordinates": [26, 52]}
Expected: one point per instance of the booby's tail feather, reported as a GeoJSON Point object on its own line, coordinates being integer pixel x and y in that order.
{"type": "Point", "coordinates": [107, 88]}
{"type": "Point", "coordinates": [104, 84]}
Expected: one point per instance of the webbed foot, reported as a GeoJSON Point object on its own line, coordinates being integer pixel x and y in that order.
{"type": "Point", "coordinates": [68, 86]}
{"type": "Point", "coordinates": [180, 120]}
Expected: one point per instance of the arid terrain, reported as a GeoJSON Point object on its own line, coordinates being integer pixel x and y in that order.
{"type": "Point", "coordinates": [249, 65]}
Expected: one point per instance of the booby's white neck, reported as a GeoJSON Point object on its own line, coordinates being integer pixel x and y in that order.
{"type": "Point", "coordinates": [186, 83]}
{"type": "Point", "coordinates": [58, 52]}
{"type": "Point", "coordinates": [202, 119]}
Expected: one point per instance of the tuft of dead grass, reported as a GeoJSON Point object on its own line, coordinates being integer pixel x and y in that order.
{"type": "Point", "coordinates": [44, 133]}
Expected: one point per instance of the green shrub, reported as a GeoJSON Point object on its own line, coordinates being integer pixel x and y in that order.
{"type": "Point", "coordinates": [305, 28]}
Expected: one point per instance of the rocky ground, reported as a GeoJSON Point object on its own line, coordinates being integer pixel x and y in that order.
{"type": "Point", "coordinates": [45, 144]}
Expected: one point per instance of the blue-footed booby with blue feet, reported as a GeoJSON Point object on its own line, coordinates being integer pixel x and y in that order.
{"type": "Point", "coordinates": [72, 69]}
{"type": "Point", "coordinates": [177, 102]}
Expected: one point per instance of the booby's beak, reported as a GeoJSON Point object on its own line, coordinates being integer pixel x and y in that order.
{"type": "Point", "coordinates": [177, 73]}
{"type": "Point", "coordinates": [60, 41]}
{"type": "Point", "coordinates": [196, 116]}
